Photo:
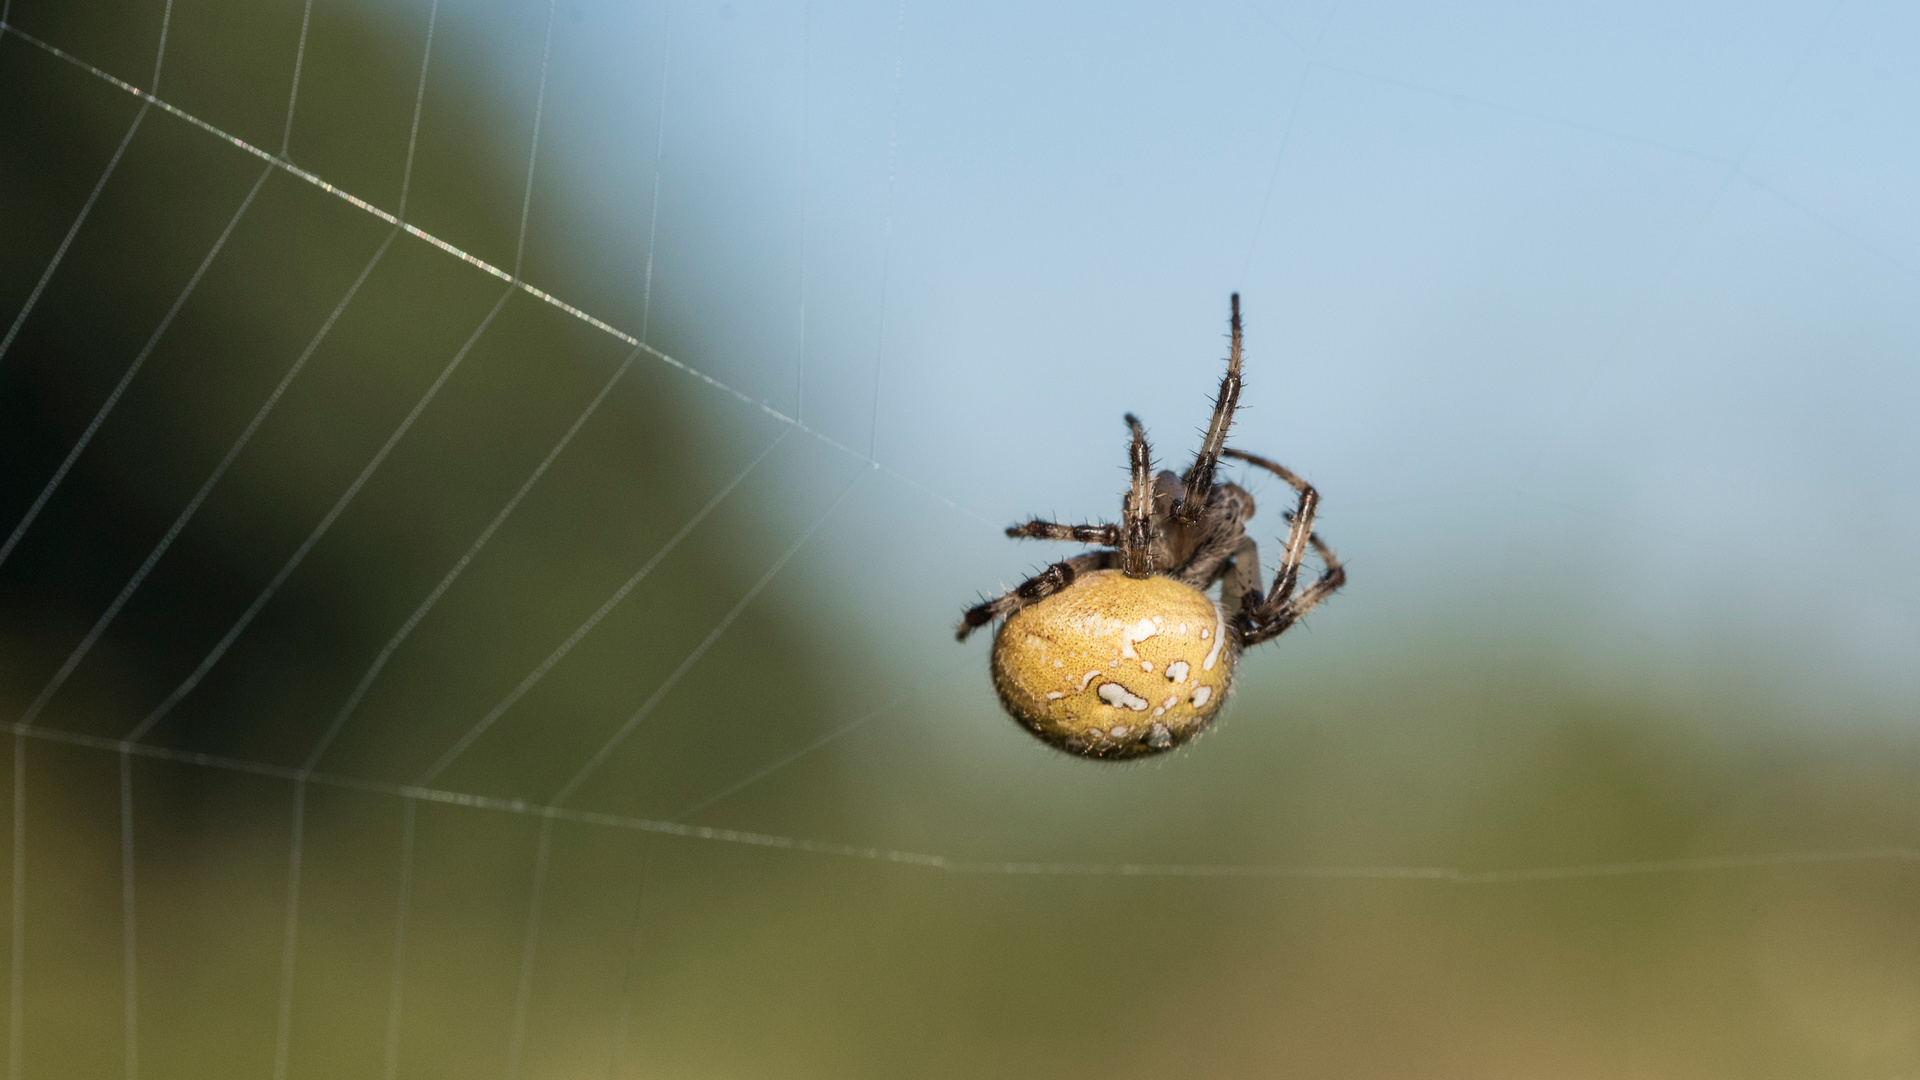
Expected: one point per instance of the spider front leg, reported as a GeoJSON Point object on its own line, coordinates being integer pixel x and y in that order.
{"type": "Point", "coordinates": [1053, 579]}
{"type": "Point", "coordinates": [1199, 479]}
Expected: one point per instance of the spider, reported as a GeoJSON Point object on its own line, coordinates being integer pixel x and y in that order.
{"type": "Point", "coordinates": [1120, 652]}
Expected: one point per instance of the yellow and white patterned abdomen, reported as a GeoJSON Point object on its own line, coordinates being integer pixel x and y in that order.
{"type": "Point", "coordinates": [1115, 667]}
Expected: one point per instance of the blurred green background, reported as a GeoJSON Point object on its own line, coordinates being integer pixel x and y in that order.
{"type": "Point", "coordinates": [1522, 676]}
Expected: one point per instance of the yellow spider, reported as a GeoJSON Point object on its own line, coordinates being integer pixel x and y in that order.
{"type": "Point", "coordinates": [1120, 652]}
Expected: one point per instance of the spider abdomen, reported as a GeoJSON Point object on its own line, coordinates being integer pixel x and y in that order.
{"type": "Point", "coordinates": [1115, 667]}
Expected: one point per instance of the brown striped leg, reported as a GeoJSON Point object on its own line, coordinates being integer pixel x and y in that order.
{"type": "Point", "coordinates": [1033, 590]}
{"type": "Point", "coordinates": [1048, 530]}
{"type": "Point", "coordinates": [1299, 532]}
{"type": "Point", "coordinates": [1136, 518]}
{"type": "Point", "coordinates": [1199, 478]}
{"type": "Point", "coordinates": [1330, 580]}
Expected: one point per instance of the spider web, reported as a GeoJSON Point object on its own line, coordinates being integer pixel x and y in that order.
{"type": "Point", "coordinates": [512, 811]}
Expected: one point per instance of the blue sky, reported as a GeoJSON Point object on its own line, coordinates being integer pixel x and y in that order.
{"type": "Point", "coordinates": [1618, 297]}
{"type": "Point", "coordinates": [1593, 320]}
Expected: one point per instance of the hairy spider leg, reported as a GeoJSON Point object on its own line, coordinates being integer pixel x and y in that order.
{"type": "Point", "coordinates": [1136, 518]}
{"type": "Point", "coordinates": [1038, 529]}
{"type": "Point", "coordinates": [1330, 580]}
{"type": "Point", "coordinates": [1273, 613]}
{"type": "Point", "coordinates": [1199, 479]}
{"type": "Point", "coordinates": [1300, 527]}
{"type": "Point", "coordinates": [1047, 582]}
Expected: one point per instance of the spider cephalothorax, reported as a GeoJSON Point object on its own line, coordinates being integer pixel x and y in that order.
{"type": "Point", "coordinates": [1119, 652]}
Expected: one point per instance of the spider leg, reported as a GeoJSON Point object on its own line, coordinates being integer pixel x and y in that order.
{"type": "Point", "coordinates": [1199, 478]}
{"type": "Point", "coordinates": [1240, 585]}
{"type": "Point", "coordinates": [1033, 590]}
{"type": "Point", "coordinates": [1300, 529]}
{"type": "Point", "coordinates": [1085, 534]}
{"type": "Point", "coordinates": [1268, 617]}
{"type": "Point", "coordinates": [1136, 517]}
{"type": "Point", "coordinates": [1330, 580]}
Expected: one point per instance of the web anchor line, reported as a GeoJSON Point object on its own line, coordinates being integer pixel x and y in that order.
{"type": "Point", "coordinates": [521, 807]}
{"type": "Point", "coordinates": [886, 243]}
{"type": "Point", "coordinates": [481, 264]}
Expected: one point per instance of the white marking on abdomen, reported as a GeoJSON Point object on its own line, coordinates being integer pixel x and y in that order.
{"type": "Point", "coordinates": [1177, 671]}
{"type": "Point", "coordinates": [1116, 695]}
{"type": "Point", "coordinates": [1202, 696]}
{"type": "Point", "coordinates": [1139, 631]}
{"type": "Point", "coordinates": [1219, 639]}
